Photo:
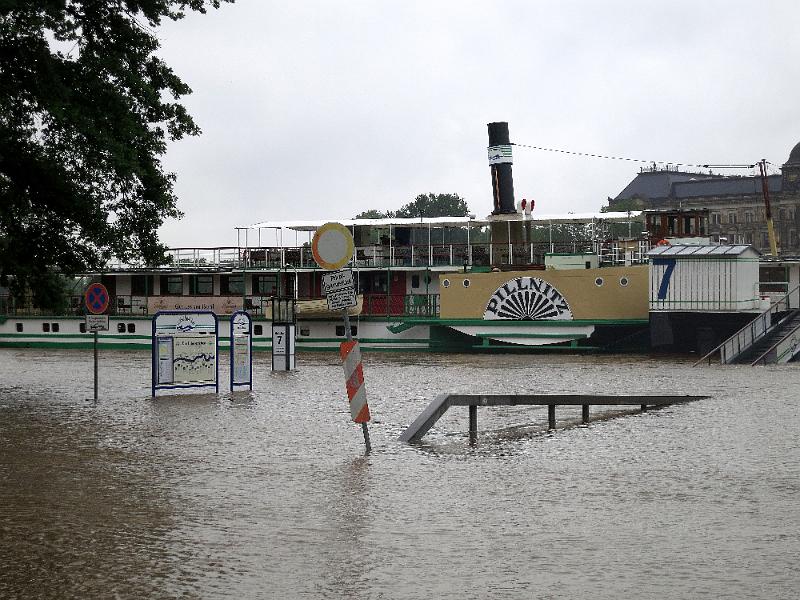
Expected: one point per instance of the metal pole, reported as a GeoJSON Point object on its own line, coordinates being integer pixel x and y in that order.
{"type": "Point", "coordinates": [349, 335]}
{"type": "Point", "coordinates": [551, 416]}
{"type": "Point", "coordinates": [95, 366]}
{"type": "Point", "coordinates": [473, 424]}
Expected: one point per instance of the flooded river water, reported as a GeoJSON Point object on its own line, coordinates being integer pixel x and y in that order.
{"type": "Point", "coordinates": [269, 494]}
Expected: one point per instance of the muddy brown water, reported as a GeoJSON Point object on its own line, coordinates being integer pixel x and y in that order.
{"type": "Point", "coordinates": [269, 494]}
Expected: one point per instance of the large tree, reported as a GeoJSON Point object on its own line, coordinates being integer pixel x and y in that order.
{"type": "Point", "coordinates": [86, 111]}
{"type": "Point", "coordinates": [424, 205]}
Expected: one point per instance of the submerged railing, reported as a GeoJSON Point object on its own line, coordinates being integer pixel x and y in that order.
{"type": "Point", "coordinates": [434, 411]}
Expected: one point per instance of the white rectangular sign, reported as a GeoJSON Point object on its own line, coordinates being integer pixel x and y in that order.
{"type": "Point", "coordinates": [341, 299]}
{"type": "Point", "coordinates": [500, 154]}
{"type": "Point", "coordinates": [279, 341]}
{"type": "Point", "coordinates": [241, 359]}
{"type": "Point", "coordinates": [96, 322]}
{"type": "Point", "coordinates": [337, 280]}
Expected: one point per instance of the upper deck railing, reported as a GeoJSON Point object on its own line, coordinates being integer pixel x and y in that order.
{"type": "Point", "coordinates": [385, 256]}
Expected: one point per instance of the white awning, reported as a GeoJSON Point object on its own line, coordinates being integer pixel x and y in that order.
{"type": "Point", "coordinates": [419, 222]}
{"type": "Point", "coordinates": [425, 222]}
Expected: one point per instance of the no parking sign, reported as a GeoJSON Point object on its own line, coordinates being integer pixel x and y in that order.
{"type": "Point", "coordinates": [96, 299]}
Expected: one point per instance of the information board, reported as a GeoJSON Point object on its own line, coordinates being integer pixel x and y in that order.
{"type": "Point", "coordinates": [185, 350]}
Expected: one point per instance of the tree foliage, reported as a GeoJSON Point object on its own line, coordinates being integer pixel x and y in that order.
{"type": "Point", "coordinates": [373, 214]}
{"type": "Point", "coordinates": [424, 205]}
{"type": "Point", "coordinates": [86, 111]}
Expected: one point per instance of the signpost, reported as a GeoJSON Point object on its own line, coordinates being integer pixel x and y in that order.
{"type": "Point", "coordinates": [284, 322]}
{"type": "Point", "coordinates": [241, 349]}
{"type": "Point", "coordinates": [96, 301]}
{"type": "Point", "coordinates": [333, 247]}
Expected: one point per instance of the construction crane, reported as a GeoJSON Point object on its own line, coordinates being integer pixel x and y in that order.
{"type": "Point", "coordinates": [773, 245]}
{"type": "Point", "coordinates": [762, 169]}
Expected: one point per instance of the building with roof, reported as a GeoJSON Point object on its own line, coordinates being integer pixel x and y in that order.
{"type": "Point", "coordinates": [735, 203]}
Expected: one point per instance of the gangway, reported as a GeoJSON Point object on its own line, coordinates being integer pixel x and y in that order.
{"type": "Point", "coordinates": [773, 337]}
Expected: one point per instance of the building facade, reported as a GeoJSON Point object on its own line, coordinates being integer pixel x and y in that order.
{"type": "Point", "coordinates": [737, 213]}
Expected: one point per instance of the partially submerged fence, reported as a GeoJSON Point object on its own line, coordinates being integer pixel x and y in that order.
{"type": "Point", "coordinates": [442, 402]}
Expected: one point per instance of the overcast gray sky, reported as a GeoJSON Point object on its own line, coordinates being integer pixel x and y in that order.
{"type": "Point", "coordinates": [322, 109]}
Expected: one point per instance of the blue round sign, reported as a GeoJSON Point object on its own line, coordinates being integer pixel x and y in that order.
{"type": "Point", "coordinates": [97, 298]}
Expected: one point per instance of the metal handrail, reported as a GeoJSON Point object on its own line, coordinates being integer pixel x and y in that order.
{"type": "Point", "coordinates": [772, 309]}
{"type": "Point", "coordinates": [776, 344]}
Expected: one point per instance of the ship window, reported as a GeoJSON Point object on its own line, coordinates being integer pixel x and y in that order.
{"type": "Point", "coordinates": [19, 327]}
{"type": "Point", "coordinates": [258, 330]}
{"type": "Point", "coordinates": [599, 281]}
{"type": "Point", "coordinates": [672, 225]}
{"type": "Point", "coordinates": [465, 283]}
{"type": "Point", "coordinates": [120, 327]}
{"type": "Point", "coordinates": [141, 285]}
{"type": "Point", "coordinates": [231, 284]}
{"type": "Point", "coordinates": [305, 331]}
{"type": "Point", "coordinates": [415, 281]}
{"type": "Point", "coordinates": [340, 331]}
{"type": "Point", "coordinates": [82, 327]}
{"type": "Point", "coordinates": [201, 285]}
{"type": "Point", "coordinates": [171, 285]}
{"type": "Point", "coordinates": [446, 283]}
{"type": "Point", "coordinates": [265, 285]}
{"type": "Point", "coordinates": [54, 327]}
{"type": "Point", "coordinates": [46, 327]}
{"type": "Point", "coordinates": [623, 281]}
{"type": "Point", "coordinates": [131, 327]}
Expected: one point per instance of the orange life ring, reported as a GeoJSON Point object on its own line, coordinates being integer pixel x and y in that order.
{"type": "Point", "coordinates": [663, 243]}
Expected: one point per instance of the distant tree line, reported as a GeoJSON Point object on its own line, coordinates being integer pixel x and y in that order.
{"type": "Point", "coordinates": [424, 205]}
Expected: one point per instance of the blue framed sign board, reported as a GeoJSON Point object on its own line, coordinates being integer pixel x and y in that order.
{"type": "Point", "coordinates": [241, 349]}
{"type": "Point", "coordinates": [185, 350]}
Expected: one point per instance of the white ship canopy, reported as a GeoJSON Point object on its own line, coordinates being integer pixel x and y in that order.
{"type": "Point", "coordinates": [424, 222]}
{"type": "Point", "coordinates": [398, 222]}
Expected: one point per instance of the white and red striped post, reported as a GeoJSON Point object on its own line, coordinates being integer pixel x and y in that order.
{"type": "Point", "coordinates": [356, 390]}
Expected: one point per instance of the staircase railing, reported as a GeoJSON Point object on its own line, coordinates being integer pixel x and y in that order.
{"type": "Point", "coordinates": [787, 344]}
{"type": "Point", "coordinates": [750, 333]}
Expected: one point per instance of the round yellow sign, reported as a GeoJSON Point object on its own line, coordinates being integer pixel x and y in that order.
{"type": "Point", "coordinates": [332, 246]}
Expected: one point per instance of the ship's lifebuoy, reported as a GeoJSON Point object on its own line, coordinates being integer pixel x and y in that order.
{"type": "Point", "coordinates": [663, 243]}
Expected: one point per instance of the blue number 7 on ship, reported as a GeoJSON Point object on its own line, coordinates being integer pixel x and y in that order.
{"type": "Point", "coordinates": [670, 263]}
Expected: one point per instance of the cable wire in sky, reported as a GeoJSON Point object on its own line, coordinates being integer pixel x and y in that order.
{"type": "Point", "coordinates": [649, 162]}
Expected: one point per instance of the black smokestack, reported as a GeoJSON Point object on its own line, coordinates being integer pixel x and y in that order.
{"type": "Point", "coordinates": [500, 162]}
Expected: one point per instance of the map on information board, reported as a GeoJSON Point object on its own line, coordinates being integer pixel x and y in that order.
{"type": "Point", "coordinates": [194, 359]}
